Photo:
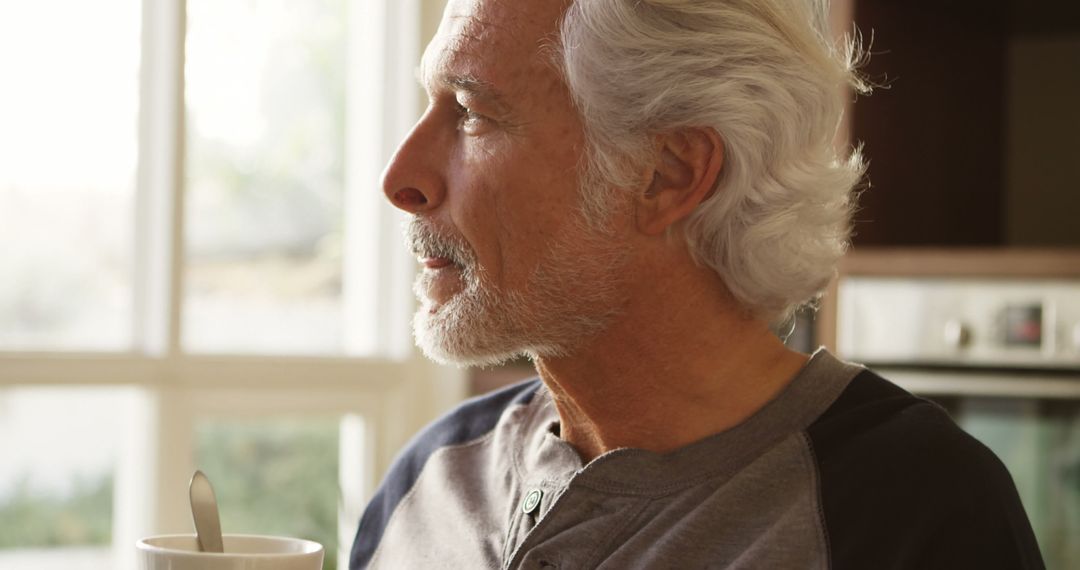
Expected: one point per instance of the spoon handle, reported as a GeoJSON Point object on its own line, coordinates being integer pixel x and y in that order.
{"type": "Point", "coordinates": [204, 511]}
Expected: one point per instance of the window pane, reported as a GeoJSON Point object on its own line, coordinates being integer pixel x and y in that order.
{"type": "Point", "coordinates": [68, 125]}
{"type": "Point", "coordinates": [61, 447]}
{"type": "Point", "coordinates": [274, 476]}
{"type": "Point", "coordinates": [265, 99]}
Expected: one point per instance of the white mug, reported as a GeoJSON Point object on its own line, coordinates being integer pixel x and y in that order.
{"type": "Point", "coordinates": [242, 552]}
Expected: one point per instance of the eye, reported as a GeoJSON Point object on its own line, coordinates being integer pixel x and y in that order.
{"type": "Point", "coordinates": [470, 121]}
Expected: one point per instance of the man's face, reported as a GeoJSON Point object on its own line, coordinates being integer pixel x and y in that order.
{"type": "Point", "coordinates": [491, 174]}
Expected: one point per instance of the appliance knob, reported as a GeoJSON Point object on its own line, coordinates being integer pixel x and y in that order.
{"type": "Point", "coordinates": [957, 334]}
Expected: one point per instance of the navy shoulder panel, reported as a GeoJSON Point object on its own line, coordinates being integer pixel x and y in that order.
{"type": "Point", "coordinates": [469, 421]}
{"type": "Point", "coordinates": [903, 486]}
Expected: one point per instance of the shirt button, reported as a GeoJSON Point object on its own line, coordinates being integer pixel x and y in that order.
{"type": "Point", "coordinates": [532, 500]}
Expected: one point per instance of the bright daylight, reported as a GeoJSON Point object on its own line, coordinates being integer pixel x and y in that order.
{"type": "Point", "coordinates": [196, 272]}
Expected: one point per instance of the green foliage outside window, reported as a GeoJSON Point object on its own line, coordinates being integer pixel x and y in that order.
{"type": "Point", "coordinates": [34, 519]}
{"type": "Point", "coordinates": [276, 476]}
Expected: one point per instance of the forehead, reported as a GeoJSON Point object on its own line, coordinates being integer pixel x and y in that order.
{"type": "Point", "coordinates": [493, 40]}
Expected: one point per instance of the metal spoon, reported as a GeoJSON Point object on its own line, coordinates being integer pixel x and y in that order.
{"type": "Point", "coordinates": [204, 512]}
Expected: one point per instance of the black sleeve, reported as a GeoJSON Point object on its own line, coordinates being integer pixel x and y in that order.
{"type": "Point", "coordinates": [902, 486]}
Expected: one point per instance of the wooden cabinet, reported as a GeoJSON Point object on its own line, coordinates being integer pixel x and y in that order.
{"type": "Point", "coordinates": [972, 134]}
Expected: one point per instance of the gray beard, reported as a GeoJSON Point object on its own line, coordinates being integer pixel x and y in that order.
{"type": "Point", "coordinates": [572, 294]}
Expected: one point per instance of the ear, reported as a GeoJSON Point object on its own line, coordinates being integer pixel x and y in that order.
{"type": "Point", "coordinates": [687, 167]}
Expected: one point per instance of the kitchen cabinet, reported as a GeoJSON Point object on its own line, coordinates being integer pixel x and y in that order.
{"type": "Point", "coordinates": [971, 134]}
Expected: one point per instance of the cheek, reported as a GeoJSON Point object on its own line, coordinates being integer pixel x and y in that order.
{"type": "Point", "coordinates": [511, 195]}
{"type": "Point", "coordinates": [477, 184]}
{"type": "Point", "coordinates": [473, 180]}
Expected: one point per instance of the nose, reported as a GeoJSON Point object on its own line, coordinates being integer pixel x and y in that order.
{"type": "Point", "coordinates": [413, 179]}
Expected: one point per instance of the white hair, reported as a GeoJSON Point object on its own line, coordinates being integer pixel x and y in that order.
{"type": "Point", "coordinates": [764, 74]}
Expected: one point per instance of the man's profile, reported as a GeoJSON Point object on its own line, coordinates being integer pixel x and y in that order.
{"type": "Point", "coordinates": [635, 193]}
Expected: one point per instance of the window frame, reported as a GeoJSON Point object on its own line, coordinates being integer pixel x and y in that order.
{"type": "Point", "coordinates": [383, 400]}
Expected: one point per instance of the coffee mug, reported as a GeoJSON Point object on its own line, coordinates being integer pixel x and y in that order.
{"type": "Point", "coordinates": [242, 552]}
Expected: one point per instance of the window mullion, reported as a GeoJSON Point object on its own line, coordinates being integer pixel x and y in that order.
{"type": "Point", "coordinates": [384, 44]}
{"type": "Point", "coordinates": [159, 210]}
{"type": "Point", "coordinates": [155, 460]}
{"type": "Point", "coordinates": [403, 105]}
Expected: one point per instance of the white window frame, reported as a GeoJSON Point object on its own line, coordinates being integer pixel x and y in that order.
{"type": "Point", "coordinates": [382, 400]}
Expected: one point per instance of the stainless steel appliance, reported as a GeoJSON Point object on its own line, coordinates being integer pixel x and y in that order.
{"type": "Point", "coordinates": [1000, 350]}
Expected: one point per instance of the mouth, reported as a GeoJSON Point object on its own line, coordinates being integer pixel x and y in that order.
{"type": "Point", "coordinates": [435, 262]}
{"type": "Point", "coordinates": [439, 281]}
{"type": "Point", "coordinates": [445, 263]}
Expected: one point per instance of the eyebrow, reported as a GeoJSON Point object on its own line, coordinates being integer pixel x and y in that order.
{"type": "Point", "coordinates": [470, 84]}
{"type": "Point", "coordinates": [475, 86]}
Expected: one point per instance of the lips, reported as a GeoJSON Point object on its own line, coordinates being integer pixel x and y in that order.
{"type": "Point", "coordinates": [439, 280]}
{"type": "Point", "coordinates": [437, 251]}
{"type": "Point", "coordinates": [435, 262]}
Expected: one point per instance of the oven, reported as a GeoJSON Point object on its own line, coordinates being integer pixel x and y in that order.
{"type": "Point", "coordinates": [994, 337]}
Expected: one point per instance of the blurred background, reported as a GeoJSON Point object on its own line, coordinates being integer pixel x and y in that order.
{"type": "Point", "coordinates": [199, 269]}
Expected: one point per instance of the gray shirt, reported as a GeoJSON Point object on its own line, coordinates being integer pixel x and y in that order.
{"type": "Point", "coordinates": [493, 486]}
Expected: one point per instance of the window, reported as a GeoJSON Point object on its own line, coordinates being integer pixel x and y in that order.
{"type": "Point", "coordinates": [61, 449]}
{"type": "Point", "coordinates": [68, 122]}
{"type": "Point", "coordinates": [200, 270]}
{"type": "Point", "coordinates": [265, 94]}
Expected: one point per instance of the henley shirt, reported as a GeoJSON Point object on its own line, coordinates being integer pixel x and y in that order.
{"type": "Point", "coordinates": [841, 470]}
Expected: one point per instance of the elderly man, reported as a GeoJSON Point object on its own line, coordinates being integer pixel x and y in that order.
{"type": "Point", "coordinates": [635, 194]}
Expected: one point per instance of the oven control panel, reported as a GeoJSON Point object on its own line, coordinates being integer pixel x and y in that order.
{"type": "Point", "coordinates": [960, 321]}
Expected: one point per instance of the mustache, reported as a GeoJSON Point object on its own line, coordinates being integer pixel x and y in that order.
{"type": "Point", "coordinates": [425, 240]}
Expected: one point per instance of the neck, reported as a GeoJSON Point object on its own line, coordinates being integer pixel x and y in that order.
{"type": "Point", "coordinates": [680, 367]}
